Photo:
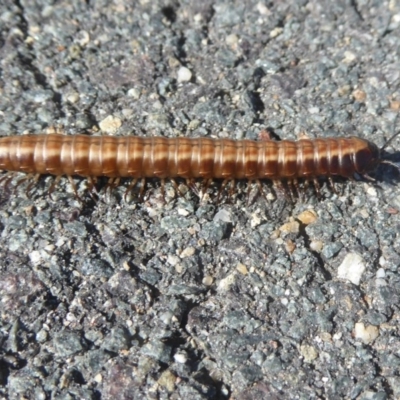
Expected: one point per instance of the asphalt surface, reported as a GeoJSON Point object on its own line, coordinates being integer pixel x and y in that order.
{"type": "Point", "coordinates": [195, 299]}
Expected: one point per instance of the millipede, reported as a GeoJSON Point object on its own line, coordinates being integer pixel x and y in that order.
{"type": "Point", "coordinates": [164, 158]}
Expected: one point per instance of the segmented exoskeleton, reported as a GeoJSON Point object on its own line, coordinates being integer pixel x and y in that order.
{"type": "Point", "coordinates": [189, 158]}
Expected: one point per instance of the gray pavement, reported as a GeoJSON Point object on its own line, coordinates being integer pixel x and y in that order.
{"type": "Point", "coordinates": [194, 299]}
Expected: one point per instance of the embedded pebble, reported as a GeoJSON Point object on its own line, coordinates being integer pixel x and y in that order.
{"type": "Point", "coordinates": [380, 273]}
{"type": "Point", "coordinates": [110, 124]}
{"type": "Point", "coordinates": [316, 245]}
{"type": "Point", "coordinates": [309, 353]}
{"type": "Point", "coordinates": [167, 380]}
{"type": "Point", "coordinates": [188, 252]}
{"type": "Point", "coordinates": [365, 333]}
{"type": "Point", "coordinates": [208, 280]}
{"type": "Point", "coordinates": [184, 75]}
{"type": "Point", "coordinates": [134, 93]}
{"type": "Point", "coordinates": [35, 257]}
{"type": "Point", "coordinates": [227, 282]}
{"type": "Point", "coordinates": [307, 217]}
{"type": "Point", "coordinates": [290, 227]}
{"type": "Point", "coordinates": [242, 269]}
{"type": "Point", "coordinates": [73, 97]}
{"type": "Point", "coordinates": [352, 268]}
{"type": "Point", "coordinates": [180, 358]}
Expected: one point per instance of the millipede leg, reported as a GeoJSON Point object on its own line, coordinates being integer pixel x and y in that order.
{"type": "Point", "coordinates": [72, 183]}
{"type": "Point", "coordinates": [317, 188]}
{"type": "Point", "coordinates": [142, 187]}
{"type": "Point", "coordinates": [21, 181]}
{"type": "Point", "coordinates": [192, 185]}
{"type": "Point", "coordinates": [278, 185]}
{"type": "Point", "coordinates": [33, 182]}
{"type": "Point", "coordinates": [132, 184]}
{"type": "Point", "coordinates": [290, 185]}
{"type": "Point", "coordinates": [232, 189]}
{"type": "Point", "coordinates": [299, 190]}
{"type": "Point", "coordinates": [53, 186]}
{"type": "Point", "coordinates": [261, 190]}
{"type": "Point", "coordinates": [92, 189]}
{"type": "Point", "coordinates": [370, 178]}
{"type": "Point", "coordinates": [7, 178]}
{"type": "Point", "coordinates": [206, 184]}
{"type": "Point", "coordinates": [110, 185]}
{"type": "Point", "coordinates": [176, 188]}
{"type": "Point", "coordinates": [163, 189]}
{"type": "Point", "coordinates": [332, 185]}
{"type": "Point", "coordinates": [223, 185]}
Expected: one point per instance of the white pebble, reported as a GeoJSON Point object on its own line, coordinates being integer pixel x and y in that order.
{"type": "Point", "coordinates": [365, 333]}
{"type": "Point", "coordinates": [110, 124]}
{"type": "Point", "coordinates": [188, 252]}
{"type": "Point", "coordinates": [180, 358]}
{"type": "Point", "coordinates": [380, 273]}
{"type": "Point", "coordinates": [35, 257]}
{"type": "Point", "coordinates": [184, 75]}
{"type": "Point", "coordinates": [208, 280]}
{"type": "Point", "coordinates": [352, 268]}
{"type": "Point", "coordinates": [172, 260]}
{"type": "Point", "coordinates": [226, 283]}
{"type": "Point", "coordinates": [134, 92]}
{"type": "Point", "coordinates": [223, 215]}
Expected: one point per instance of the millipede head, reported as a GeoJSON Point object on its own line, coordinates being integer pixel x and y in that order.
{"type": "Point", "coordinates": [367, 157]}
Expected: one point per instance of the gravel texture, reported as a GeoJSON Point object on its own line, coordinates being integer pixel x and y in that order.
{"type": "Point", "coordinates": [194, 299]}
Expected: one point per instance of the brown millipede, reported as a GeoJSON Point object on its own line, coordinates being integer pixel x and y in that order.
{"type": "Point", "coordinates": [189, 158]}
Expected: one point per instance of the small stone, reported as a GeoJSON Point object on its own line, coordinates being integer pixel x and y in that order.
{"type": "Point", "coordinates": [134, 92]}
{"type": "Point", "coordinates": [167, 380]}
{"type": "Point", "coordinates": [180, 358]}
{"type": "Point", "coordinates": [359, 95]}
{"type": "Point", "coordinates": [242, 269]}
{"type": "Point", "coordinates": [352, 268]}
{"type": "Point", "coordinates": [309, 353]}
{"type": "Point", "coordinates": [73, 97]}
{"type": "Point", "coordinates": [223, 215]}
{"type": "Point", "coordinates": [290, 246]}
{"type": "Point", "coordinates": [330, 250]}
{"type": "Point", "coordinates": [307, 217]}
{"type": "Point", "coordinates": [42, 336]}
{"type": "Point", "coordinates": [226, 283]}
{"type": "Point", "coordinates": [157, 350]}
{"type": "Point", "coordinates": [349, 57]}
{"type": "Point", "coordinates": [172, 260]}
{"type": "Point", "coordinates": [35, 257]}
{"type": "Point", "coordinates": [316, 245]}
{"type": "Point", "coordinates": [67, 343]}
{"type": "Point", "coordinates": [117, 340]}
{"type": "Point", "coordinates": [290, 227]}
{"type": "Point", "coordinates": [395, 105]}
{"type": "Point", "coordinates": [184, 75]}
{"type": "Point", "coordinates": [208, 280]}
{"type": "Point", "coordinates": [110, 124]}
{"type": "Point", "coordinates": [231, 40]}
{"type": "Point", "coordinates": [82, 38]}
{"type": "Point", "coordinates": [366, 333]}
{"type": "Point", "coordinates": [275, 32]}
{"type": "Point", "coordinates": [380, 274]}
{"type": "Point", "coordinates": [188, 252]}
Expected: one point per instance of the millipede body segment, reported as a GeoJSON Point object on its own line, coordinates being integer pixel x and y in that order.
{"type": "Point", "coordinates": [159, 157]}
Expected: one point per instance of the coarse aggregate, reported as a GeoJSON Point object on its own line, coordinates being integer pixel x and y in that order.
{"type": "Point", "coordinates": [193, 298]}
